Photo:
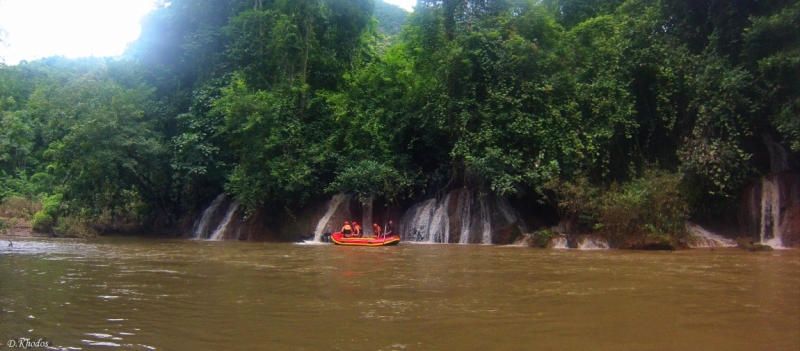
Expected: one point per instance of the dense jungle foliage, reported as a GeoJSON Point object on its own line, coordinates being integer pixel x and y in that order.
{"type": "Point", "coordinates": [280, 101]}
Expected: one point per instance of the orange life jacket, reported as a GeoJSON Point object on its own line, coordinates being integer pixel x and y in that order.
{"type": "Point", "coordinates": [347, 229]}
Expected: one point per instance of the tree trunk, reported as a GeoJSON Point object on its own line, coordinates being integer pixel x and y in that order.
{"type": "Point", "coordinates": [367, 218]}
{"type": "Point", "coordinates": [303, 92]}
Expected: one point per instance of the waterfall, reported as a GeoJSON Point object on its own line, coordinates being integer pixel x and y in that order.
{"type": "Point", "coordinates": [559, 242]}
{"type": "Point", "coordinates": [585, 242]}
{"type": "Point", "coordinates": [464, 214]}
{"type": "Point", "coordinates": [440, 224]}
{"type": "Point", "coordinates": [333, 205]}
{"type": "Point", "coordinates": [219, 233]}
{"type": "Point", "coordinates": [592, 243]}
{"type": "Point", "coordinates": [416, 227]}
{"type": "Point", "coordinates": [779, 158]}
{"type": "Point", "coordinates": [510, 214]}
{"type": "Point", "coordinates": [705, 238]}
{"type": "Point", "coordinates": [486, 221]}
{"type": "Point", "coordinates": [201, 227]}
{"type": "Point", "coordinates": [770, 213]}
{"type": "Point", "coordinates": [459, 217]}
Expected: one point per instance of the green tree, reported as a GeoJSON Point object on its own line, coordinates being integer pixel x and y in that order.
{"type": "Point", "coordinates": [773, 44]}
{"type": "Point", "coordinates": [101, 145]}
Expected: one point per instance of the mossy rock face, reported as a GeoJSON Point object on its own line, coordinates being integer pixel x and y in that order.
{"type": "Point", "coordinates": [750, 245]}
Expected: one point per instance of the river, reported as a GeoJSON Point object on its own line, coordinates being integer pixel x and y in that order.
{"type": "Point", "coordinates": [157, 294]}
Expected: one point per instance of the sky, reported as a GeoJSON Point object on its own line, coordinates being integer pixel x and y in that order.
{"type": "Point", "coordinates": [76, 28]}
{"type": "Point", "coordinates": [71, 28]}
{"type": "Point", "coordinates": [406, 4]}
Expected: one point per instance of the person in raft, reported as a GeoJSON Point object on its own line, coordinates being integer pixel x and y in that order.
{"type": "Point", "coordinates": [376, 230]}
{"type": "Point", "coordinates": [356, 230]}
{"type": "Point", "coordinates": [347, 230]}
{"type": "Point", "coordinates": [389, 229]}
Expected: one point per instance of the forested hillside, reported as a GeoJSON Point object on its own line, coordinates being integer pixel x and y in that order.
{"type": "Point", "coordinates": [665, 105]}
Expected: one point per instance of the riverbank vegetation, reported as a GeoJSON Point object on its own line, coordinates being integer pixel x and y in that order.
{"type": "Point", "coordinates": [629, 116]}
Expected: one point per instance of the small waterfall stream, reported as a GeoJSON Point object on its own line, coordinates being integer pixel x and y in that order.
{"type": "Point", "coordinates": [559, 242]}
{"type": "Point", "coordinates": [201, 227]}
{"type": "Point", "coordinates": [440, 224]}
{"type": "Point", "coordinates": [417, 222]}
{"type": "Point", "coordinates": [219, 233]}
{"type": "Point", "coordinates": [464, 213]}
{"type": "Point", "coordinates": [323, 225]}
{"type": "Point", "coordinates": [779, 158]}
{"type": "Point", "coordinates": [769, 208]}
{"type": "Point", "coordinates": [584, 242]}
{"type": "Point", "coordinates": [592, 243]}
{"type": "Point", "coordinates": [215, 222]}
{"type": "Point", "coordinates": [770, 213]}
{"type": "Point", "coordinates": [486, 221]}
{"type": "Point", "coordinates": [705, 238]}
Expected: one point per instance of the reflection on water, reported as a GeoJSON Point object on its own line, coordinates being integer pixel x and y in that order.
{"type": "Point", "coordinates": [142, 294]}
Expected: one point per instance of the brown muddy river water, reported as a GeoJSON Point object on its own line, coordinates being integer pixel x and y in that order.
{"type": "Point", "coordinates": [148, 294]}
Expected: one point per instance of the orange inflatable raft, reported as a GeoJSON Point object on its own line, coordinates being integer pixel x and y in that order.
{"type": "Point", "coordinates": [339, 239]}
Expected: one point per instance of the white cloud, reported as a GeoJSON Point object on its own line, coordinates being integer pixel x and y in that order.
{"type": "Point", "coordinates": [74, 28]}
{"type": "Point", "coordinates": [406, 4]}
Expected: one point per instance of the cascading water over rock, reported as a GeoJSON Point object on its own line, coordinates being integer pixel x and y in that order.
{"type": "Point", "coordinates": [705, 238]}
{"type": "Point", "coordinates": [559, 242]}
{"type": "Point", "coordinates": [583, 242]}
{"type": "Point", "coordinates": [219, 233]}
{"type": "Point", "coordinates": [770, 210]}
{"type": "Point", "coordinates": [770, 213]}
{"type": "Point", "coordinates": [334, 212]}
{"type": "Point", "coordinates": [216, 221]}
{"type": "Point", "coordinates": [592, 243]}
{"type": "Point", "coordinates": [461, 216]}
{"type": "Point", "coordinates": [201, 226]}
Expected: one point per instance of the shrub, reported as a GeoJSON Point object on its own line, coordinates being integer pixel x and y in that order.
{"type": "Point", "coordinates": [74, 227]}
{"type": "Point", "coordinates": [44, 220]}
{"type": "Point", "coordinates": [20, 207]}
{"type": "Point", "coordinates": [650, 209]}
{"type": "Point", "coordinates": [573, 200]}
{"type": "Point", "coordinates": [542, 237]}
